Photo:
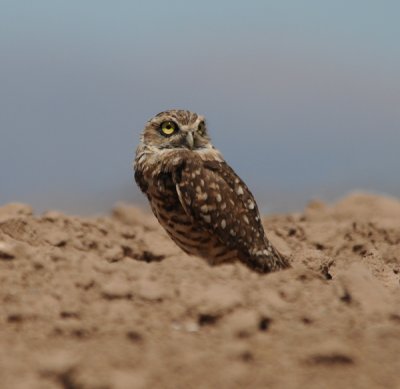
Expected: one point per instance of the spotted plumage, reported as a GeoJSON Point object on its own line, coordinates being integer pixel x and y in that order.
{"type": "Point", "coordinates": [196, 196]}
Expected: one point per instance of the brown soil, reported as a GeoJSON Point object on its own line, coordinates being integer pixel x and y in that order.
{"type": "Point", "coordinates": [111, 302]}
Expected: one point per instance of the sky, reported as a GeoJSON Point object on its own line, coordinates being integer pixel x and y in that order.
{"type": "Point", "coordinates": [302, 98]}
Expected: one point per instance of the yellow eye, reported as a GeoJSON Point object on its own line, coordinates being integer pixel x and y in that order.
{"type": "Point", "coordinates": [202, 128]}
{"type": "Point", "coordinates": [168, 128]}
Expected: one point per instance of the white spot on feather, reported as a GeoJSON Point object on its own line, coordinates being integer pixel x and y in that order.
{"type": "Point", "coordinates": [202, 196]}
{"type": "Point", "coordinates": [204, 208]}
{"type": "Point", "coordinates": [218, 197]}
{"type": "Point", "coordinates": [239, 190]}
{"type": "Point", "coordinates": [223, 224]}
{"type": "Point", "coordinates": [206, 218]}
{"type": "Point", "coordinates": [246, 219]}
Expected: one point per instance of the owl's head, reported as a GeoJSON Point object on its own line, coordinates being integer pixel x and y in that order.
{"type": "Point", "coordinates": [176, 129]}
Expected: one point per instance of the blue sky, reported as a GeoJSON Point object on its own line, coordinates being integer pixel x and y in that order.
{"type": "Point", "coordinates": [302, 97]}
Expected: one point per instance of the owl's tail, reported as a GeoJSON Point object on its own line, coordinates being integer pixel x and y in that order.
{"type": "Point", "coordinates": [268, 260]}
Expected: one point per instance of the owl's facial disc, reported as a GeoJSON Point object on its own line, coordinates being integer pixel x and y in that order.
{"type": "Point", "coordinates": [177, 129]}
{"type": "Point", "coordinates": [188, 136]}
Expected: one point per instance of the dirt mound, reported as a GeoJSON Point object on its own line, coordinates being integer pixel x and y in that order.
{"type": "Point", "coordinates": [111, 302]}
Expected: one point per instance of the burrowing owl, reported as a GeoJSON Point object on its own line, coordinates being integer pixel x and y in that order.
{"type": "Point", "coordinates": [196, 196]}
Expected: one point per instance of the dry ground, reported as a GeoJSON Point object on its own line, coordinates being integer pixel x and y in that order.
{"type": "Point", "coordinates": [111, 302]}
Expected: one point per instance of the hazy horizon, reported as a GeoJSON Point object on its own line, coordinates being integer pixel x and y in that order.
{"type": "Point", "coordinates": [302, 99]}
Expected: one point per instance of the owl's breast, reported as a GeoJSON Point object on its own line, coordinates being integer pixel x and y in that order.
{"type": "Point", "coordinates": [184, 231]}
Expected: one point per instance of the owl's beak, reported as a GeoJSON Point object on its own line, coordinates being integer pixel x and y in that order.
{"type": "Point", "coordinates": [189, 140]}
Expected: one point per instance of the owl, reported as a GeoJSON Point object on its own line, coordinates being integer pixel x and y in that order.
{"type": "Point", "coordinates": [203, 205]}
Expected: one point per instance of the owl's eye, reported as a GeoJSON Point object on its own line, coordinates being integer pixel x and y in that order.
{"type": "Point", "coordinates": [168, 128]}
{"type": "Point", "coordinates": [202, 128]}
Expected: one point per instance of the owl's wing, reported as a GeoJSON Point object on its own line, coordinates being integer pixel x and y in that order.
{"type": "Point", "coordinates": [140, 181]}
{"type": "Point", "coordinates": [220, 202]}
